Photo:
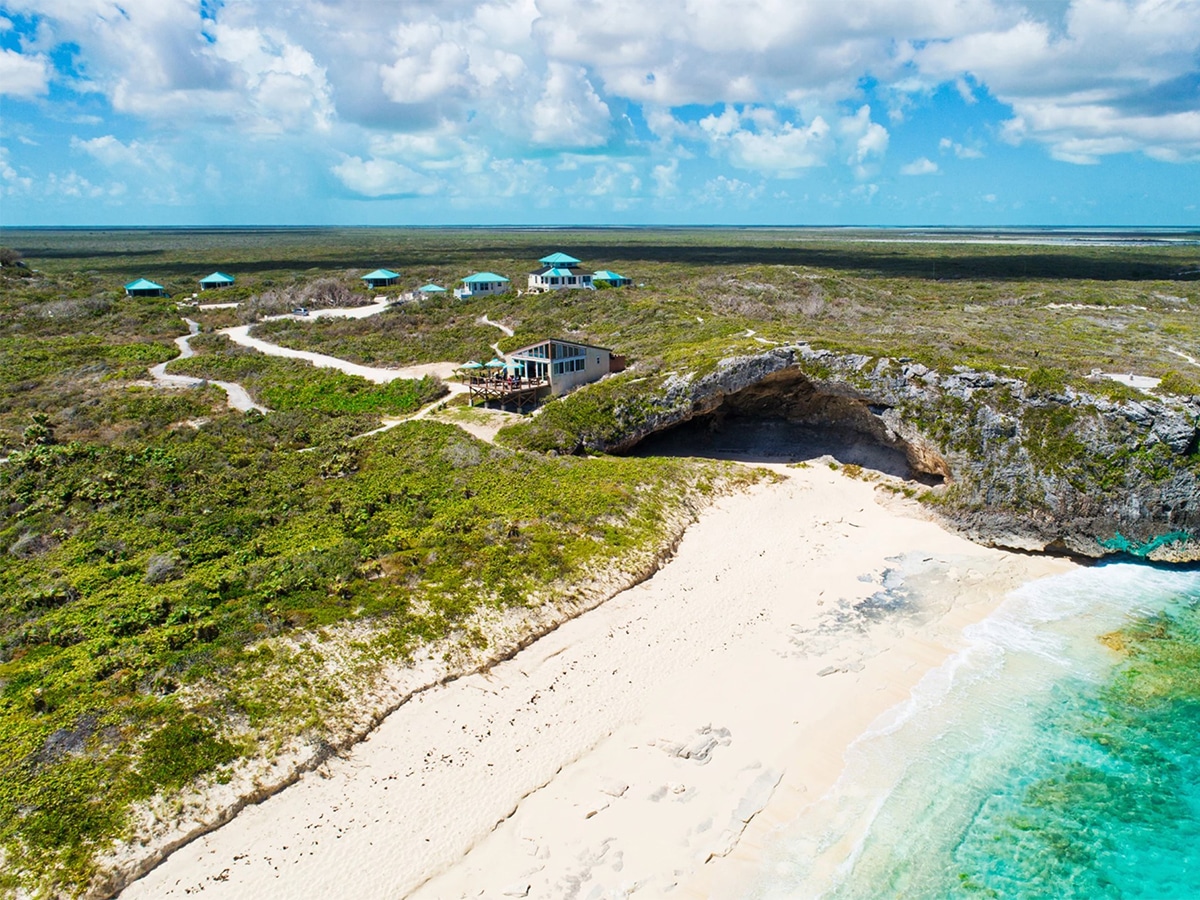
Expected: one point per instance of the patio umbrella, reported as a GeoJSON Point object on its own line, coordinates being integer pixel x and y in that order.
{"type": "Point", "coordinates": [496, 363]}
{"type": "Point", "coordinates": [472, 365]}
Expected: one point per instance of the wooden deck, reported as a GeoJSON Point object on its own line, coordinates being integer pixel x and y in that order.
{"type": "Point", "coordinates": [521, 393]}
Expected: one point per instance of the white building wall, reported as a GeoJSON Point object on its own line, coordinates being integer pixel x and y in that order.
{"type": "Point", "coordinates": [596, 366]}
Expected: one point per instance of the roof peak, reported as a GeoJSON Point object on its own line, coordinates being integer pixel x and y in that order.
{"type": "Point", "coordinates": [561, 259]}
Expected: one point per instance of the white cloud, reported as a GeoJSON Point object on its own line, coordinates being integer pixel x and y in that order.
{"type": "Point", "coordinates": [1114, 76]}
{"type": "Point", "coordinates": [569, 113]}
{"type": "Point", "coordinates": [867, 141]}
{"type": "Point", "coordinates": [720, 191]}
{"type": "Point", "coordinates": [755, 139]}
{"type": "Point", "coordinates": [666, 179]}
{"type": "Point", "coordinates": [282, 86]}
{"type": "Point", "coordinates": [486, 88]}
{"type": "Point", "coordinates": [112, 152]}
{"type": "Point", "coordinates": [919, 166]}
{"type": "Point", "coordinates": [74, 186]}
{"type": "Point", "coordinates": [382, 178]}
{"type": "Point", "coordinates": [961, 151]}
{"type": "Point", "coordinates": [429, 65]}
{"type": "Point", "coordinates": [676, 52]}
{"type": "Point", "coordinates": [23, 76]}
{"type": "Point", "coordinates": [13, 181]}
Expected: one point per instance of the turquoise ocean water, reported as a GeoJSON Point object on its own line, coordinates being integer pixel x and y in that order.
{"type": "Point", "coordinates": [1040, 761]}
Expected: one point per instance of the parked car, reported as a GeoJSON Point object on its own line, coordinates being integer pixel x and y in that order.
{"type": "Point", "coordinates": [300, 311]}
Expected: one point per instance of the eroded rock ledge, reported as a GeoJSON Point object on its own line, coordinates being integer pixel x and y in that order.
{"type": "Point", "coordinates": [1056, 470]}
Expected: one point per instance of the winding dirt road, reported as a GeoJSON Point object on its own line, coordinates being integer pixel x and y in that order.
{"type": "Point", "coordinates": [238, 397]}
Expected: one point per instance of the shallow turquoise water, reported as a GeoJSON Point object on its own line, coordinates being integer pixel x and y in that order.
{"type": "Point", "coordinates": [1036, 763]}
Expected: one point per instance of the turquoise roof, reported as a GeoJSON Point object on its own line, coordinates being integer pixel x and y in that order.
{"type": "Point", "coordinates": [217, 278]}
{"type": "Point", "coordinates": [560, 273]}
{"type": "Point", "coordinates": [559, 259]}
{"type": "Point", "coordinates": [381, 275]}
{"type": "Point", "coordinates": [606, 275]}
{"type": "Point", "coordinates": [143, 285]}
{"type": "Point", "coordinates": [431, 289]}
{"type": "Point", "coordinates": [483, 277]}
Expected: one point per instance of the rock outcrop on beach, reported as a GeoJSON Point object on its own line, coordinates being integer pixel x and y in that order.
{"type": "Point", "coordinates": [1026, 464]}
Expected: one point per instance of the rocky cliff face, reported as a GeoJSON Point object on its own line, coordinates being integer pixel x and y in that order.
{"type": "Point", "coordinates": [1028, 467]}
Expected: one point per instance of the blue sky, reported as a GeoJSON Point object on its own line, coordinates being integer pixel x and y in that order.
{"type": "Point", "coordinates": [594, 112]}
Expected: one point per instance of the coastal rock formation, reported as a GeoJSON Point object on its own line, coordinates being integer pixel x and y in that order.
{"type": "Point", "coordinates": [1032, 465]}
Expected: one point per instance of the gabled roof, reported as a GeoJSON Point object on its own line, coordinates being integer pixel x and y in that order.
{"type": "Point", "coordinates": [607, 275]}
{"type": "Point", "coordinates": [483, 277]}
{"type": "Point", "coordinates": [529, 347]}
{"type": "Point", "coordinates": [559, 259]}
{"type": "Point", "coordinates": [143, 285]}
{"type": "Point", "coordinates": [431, 289]}
{"type": "Point", "coordinates": [380, 275]}
{"type": "Point", "coordinates": [217, 278]}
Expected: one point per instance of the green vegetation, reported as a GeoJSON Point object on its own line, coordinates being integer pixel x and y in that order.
{"type": "Point", "coordinates": [1179, 384]}
{"type": "Point", "coordinates": [183, 587]}
{"type": "Point", "coordinates": [139, 586]}
{"type": "Point", "coordinates": [434, 331]}
{"type": "Point", "coordinates": [289, 384]}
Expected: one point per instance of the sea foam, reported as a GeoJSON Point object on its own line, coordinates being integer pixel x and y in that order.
{"type": "Point", "coordinates": [1003, 773]}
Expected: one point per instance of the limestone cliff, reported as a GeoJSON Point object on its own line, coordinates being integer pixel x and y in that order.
{"type": "Point", "coordinates": [1033, 467]}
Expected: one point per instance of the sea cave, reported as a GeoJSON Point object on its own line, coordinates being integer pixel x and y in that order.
{"type": "Point", "coordinates": [786, 418]}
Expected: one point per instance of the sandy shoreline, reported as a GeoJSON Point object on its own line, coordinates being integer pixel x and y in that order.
{"type": "Point", "coordinates": [648, 746]}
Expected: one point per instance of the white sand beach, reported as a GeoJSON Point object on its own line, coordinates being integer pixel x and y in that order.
{"type": "Point", "coordinates": [649, 746]}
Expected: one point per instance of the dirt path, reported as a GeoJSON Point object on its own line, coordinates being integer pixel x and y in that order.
{"type": "Point", "coordinates": [484, 320]}
{"type": "Point", "coordinates": [237, 395]}
{"type": "Point", "coordinates": [240, 334]}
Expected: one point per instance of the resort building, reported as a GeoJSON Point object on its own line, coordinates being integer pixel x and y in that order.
{"type": "Point", "coordinates": [558, 272]}
{"type": "Point", "coordinates": [482, 284]}
{"type": "Point", "coordinates": [431, 289]}
{"type": "Point", "coordinates": [548, 368]}
{"type": "Point", "coordinates": [564, 365]}
{"type": "Point", "coordinates": [604, 276]}
{"type": "Point", "coordinates": [144, 288]}
{"type": "Point", "coordinates": [216, 280]}
{"type": "Point", "coordinates": [381, 278]}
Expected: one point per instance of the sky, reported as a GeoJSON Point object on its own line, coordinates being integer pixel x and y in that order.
{"type": "Point", "coordinates": [600, 112]}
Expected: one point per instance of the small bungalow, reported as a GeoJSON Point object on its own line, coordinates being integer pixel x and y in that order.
{"type": "Point", "coordinates": [564, 365]}
{"type": "Point", "coordinates": [216, 280]}
{"type": "Point", "coordinates": [612, 279]}
{"type": "Point", "coordinates": [558, 272]}
{"type": "Point", "coordinates": [144, 288]}
{"type": "Point", "coordinates": [431, 289]}
{"type": "Point", "coordinates": [381, 278]}
{"type": "Point", "coordinates": [481, 284]}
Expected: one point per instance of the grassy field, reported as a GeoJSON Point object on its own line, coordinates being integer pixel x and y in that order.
{"type": "Point", "coordinates": [171, 570]}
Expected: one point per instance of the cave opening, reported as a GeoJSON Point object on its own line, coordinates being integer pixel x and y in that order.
{"type": "Point", "coordinates": [785, 418]}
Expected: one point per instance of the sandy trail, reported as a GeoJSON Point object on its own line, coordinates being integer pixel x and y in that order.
{"type": "Point", "coordinates": [624, 753]}
{"type": "Point", "coordinates": [354, 312]}
{"type": "Point", "coordinates": [240, 334]}
{"type": "Point", "coordinates": [484, 320]}
{"type": "Point", "coordinates": [237, 395]}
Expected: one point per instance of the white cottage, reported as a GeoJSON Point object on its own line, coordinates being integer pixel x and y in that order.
{"type": "Point", "coordinates": [482, 284]}
{"type": "Point", "coordinates": [559, 272]}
